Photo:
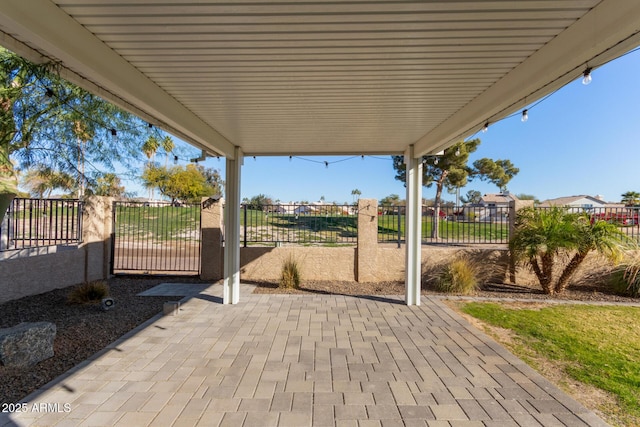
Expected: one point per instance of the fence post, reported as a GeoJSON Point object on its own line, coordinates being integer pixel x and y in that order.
{"type": "Point", "coordinates": [96, 237]}
{"type": "Point", "coordinates": [367, 251]}
{"type": "Point", "coordinates": [212, 252]}
{"type": "Point", "coordinates": [514, 207]}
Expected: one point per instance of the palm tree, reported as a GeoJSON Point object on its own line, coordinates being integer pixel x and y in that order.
{"type": "Point", "coordinates": [356, 194]}
{"type": "Point", "coordinates": [149, 148]}
{"type": "Point", "coordinates": [631, 198]}
{"type": "Point", "coordinates": [167, 146]}
{"type": "Point", "coordinates": [542, 235]}
{"type": "Point", "coordinates": [43, 180]}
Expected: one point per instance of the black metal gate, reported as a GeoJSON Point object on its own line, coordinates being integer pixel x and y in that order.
{"type": "Point", "coordinates": [155, 238]}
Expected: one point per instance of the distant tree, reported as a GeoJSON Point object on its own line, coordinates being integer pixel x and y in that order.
{"type": "Point", "coordinates": [167, 145]}
{"type": "Point", "coordinates": [450, 170]}
{"type": "Point", "coordinates": [498, 172]}
{"type": "Point", "coordinates": [186, 184]}
{"type": "Point", "coordinates": [472, 196]}
{"type": "Point", "coordinates": [259, 202]}
{"type": "Point", "coordinates": [107, 184]}
{"type": "Point", "coordinates": [212, 178]}
{"type": "Point", "coordinates": [631, 198]}
{"type": "Point", "coordinates": [391, 200]}
{"type": "Point", "coordinates": [150, 147]}
{"type": "Point", "coordinates": [41, 181]}
{"type": "Point", "coordinates": [356, 194]}
{"type": "Point", "coordinates": [523, 196]}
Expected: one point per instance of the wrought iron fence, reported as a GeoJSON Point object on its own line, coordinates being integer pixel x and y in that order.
{"type": "Point", "coordinates": [155, 237]}
{"type": "Point", "coordinates": [301, 224]}
{"type": "Point", "coordinates": [626, 218]}
{"type": "Point", "coordinates": [468, 225]}
{"type": "Point", "coordinates": [31, 223]}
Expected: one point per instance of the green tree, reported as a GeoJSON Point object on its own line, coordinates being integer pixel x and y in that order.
{"type": "Point", "coordinates": [631, 198]}
{"type": "Point", "coordinates": [47, 121]}
{"type": "Point", "coordinates": [150, 148]}
{"type": "Point", "coordinates": [391, 200]}
{"type": "Point", "coordinates": [41, 181]}
{"type": "Point", "coordinates": [472, 196]}
{"type": "Point", "coordinates": [186, 184]}
{"type": "Point", "coordinates": [356, 194]}
{"type": "Point", "coordinates": [167, 145]}
{"type": "Point", "coordinates": [498, 172]}
{"type": "Point", "coordinates": [448, 170]}
{"type": "Point", "coordinates": [523, 196]}
{"type": "Point", "coordinates": [108, 184]}
{"type": "Point", "coordinates": [543, 236]}
{"type": "Point", "coordinates": [259, 202]}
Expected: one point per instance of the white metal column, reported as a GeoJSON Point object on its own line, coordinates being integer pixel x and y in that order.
{"type": "Point", "coordinates": [413, 227]}
{"type": "Point", "coordinates": [231, 286]}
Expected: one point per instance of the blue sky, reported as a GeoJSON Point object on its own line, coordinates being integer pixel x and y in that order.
{"type": "Point", "coordinates": [580, 140]}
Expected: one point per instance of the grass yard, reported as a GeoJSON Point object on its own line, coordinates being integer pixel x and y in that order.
{"type": "Point", "coordinates": [158, 223]}
{"type": "Point", "coordinates": [466, 231]}
{"type": "Point", "coordinates": [595, 345]}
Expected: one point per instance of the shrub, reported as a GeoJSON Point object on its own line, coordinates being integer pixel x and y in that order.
{"type": "Point", "coordinates": [460, 276]}
{"type": "Point", "coordinates": [625, 280]}
{"type": "Point", "coordinates": [632, 278]}
{"type": "Point", "coordinates": [290, 277]}
{"type": "Point", "coordinates": [88, 293]}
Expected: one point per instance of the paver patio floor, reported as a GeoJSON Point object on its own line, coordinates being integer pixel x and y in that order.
{"type": "Point", "coordinates": [304, 360]}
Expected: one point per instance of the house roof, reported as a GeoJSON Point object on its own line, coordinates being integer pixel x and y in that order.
{"type": "Point", "coordinates": [498, 198]}
{"type": "Point", "coordinates": [321, 77]}
{"type": "Point", "coordinates": [567, 201]}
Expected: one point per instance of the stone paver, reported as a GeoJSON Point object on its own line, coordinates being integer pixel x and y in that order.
{"type": "Point", "coordinates": [303, 360]}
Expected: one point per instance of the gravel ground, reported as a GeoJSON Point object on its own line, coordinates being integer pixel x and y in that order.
{"type": "Point", "coordinates": [85, 330]}
{"type": "Point", "coordinates": [82, 330]}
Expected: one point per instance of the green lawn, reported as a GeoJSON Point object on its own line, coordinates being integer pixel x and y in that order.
{"type": "Point", "coordinates": [596, 345]}
{"type": "Point", "coordinates": [467, 231]}
{"type": "Point", "coordinates": [158, 223]}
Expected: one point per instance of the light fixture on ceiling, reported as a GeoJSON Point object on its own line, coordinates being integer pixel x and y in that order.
{"type": "Point", "coordinates": [586, 76]}
{"type": "Point", "coordinates": [485, 128]}
{"type": "Point", "coordinates": [525, 115]}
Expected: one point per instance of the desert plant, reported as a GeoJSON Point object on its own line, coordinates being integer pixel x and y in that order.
{"type": "Point", "coordinates": [460, 276]}
{"type": "Point", "coordinates": [542, 235]}
{"type": "Point", "coordinates": [631, 277]}
{"type": "Point", "coordinates": [290, 277]}
{"type": "Point", "coordinates": [88, 293]}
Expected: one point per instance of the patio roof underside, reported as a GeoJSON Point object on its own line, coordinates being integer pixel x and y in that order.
{"type": "Point", "coordinates": [321, 77]}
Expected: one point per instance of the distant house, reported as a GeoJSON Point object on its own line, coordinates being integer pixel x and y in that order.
{"type": "Point", "coordinates": [490, 208]}
{"type": "Point", "coordinates": [582, 202]}
{"type": "Point", "coordinates": [612, 212]}
{"type": "Point", "coordinates": [500, 200]}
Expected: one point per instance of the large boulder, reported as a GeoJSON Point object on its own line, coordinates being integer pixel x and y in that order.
{"type": "Point", "coordinates": [27, 343]}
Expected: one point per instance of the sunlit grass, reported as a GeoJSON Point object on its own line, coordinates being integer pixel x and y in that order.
{"type": "Point", "coordinates": [597, 345]}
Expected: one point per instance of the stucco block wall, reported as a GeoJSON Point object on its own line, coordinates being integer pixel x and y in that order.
{"type": "Point", "coordinates": [22, 276]}
{"type": "Point", "coordinates": [316, 263]}
{"type": "Point", "coordinates": [34, 275]}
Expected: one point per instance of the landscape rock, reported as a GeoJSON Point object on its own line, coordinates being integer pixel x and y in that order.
{"type": "Point", "coordinates": [27, 343]}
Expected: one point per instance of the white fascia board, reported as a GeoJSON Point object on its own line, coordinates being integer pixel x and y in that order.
{"type": "Point", "coordinates": [43, 25]}
{"type": "Point", "coordinates": [604, 33]}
